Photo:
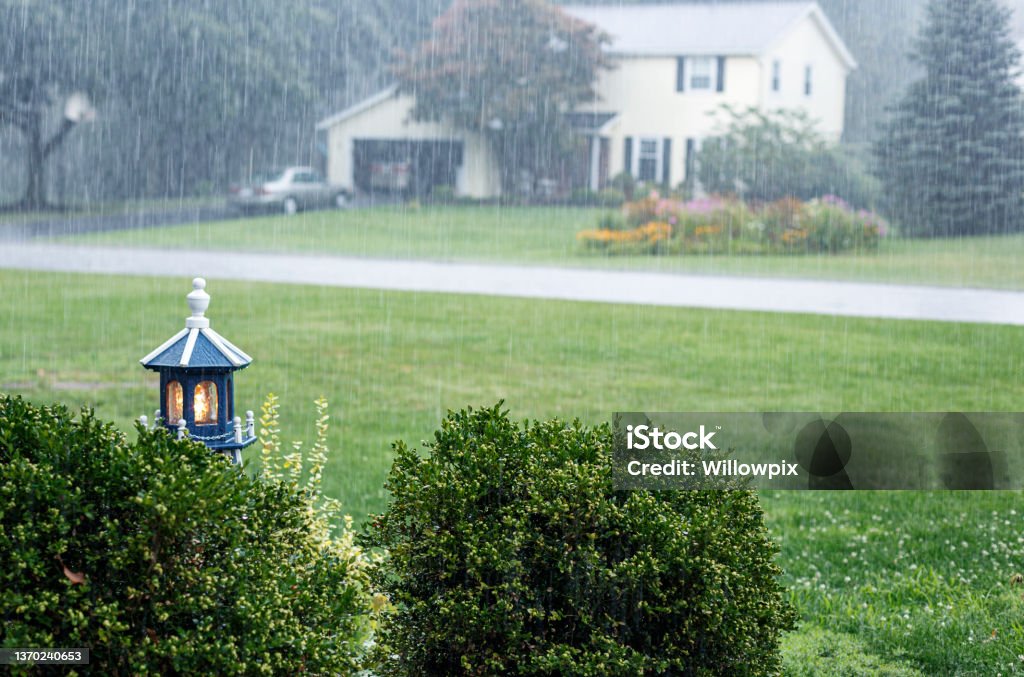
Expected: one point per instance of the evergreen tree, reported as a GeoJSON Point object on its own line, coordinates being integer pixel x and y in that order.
{"type": "Point", "coordinates": [952, 155]}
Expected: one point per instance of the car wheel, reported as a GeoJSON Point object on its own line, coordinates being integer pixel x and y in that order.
{"type": "Point", "coordinates": [341, 201]}
{"type": "Point", "coordinates": [290, 205]}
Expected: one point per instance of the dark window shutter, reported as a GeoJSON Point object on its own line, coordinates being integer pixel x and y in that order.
{"type": "Point", "coordinates": [666, 162]}
{"type": "Point", "coordinates": [629, 155]}
{"type": "Point", "coordinates": [680, 73]}
{"type": "Point", "coordinates": [721, 74]}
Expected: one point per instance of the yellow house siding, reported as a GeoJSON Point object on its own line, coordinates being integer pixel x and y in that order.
{"type": "Point", "coordinates": [643, 91]}
{"type": "Point", "coordinates": [806, 45]}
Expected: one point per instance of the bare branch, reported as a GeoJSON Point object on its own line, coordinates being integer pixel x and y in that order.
{"type": "Point", "coordinates": [55, 140]}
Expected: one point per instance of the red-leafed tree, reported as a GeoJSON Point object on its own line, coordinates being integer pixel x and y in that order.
{"type": "Point", "coordinates": [509, 69]}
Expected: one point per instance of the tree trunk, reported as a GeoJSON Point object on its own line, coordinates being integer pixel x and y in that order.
{"type": "Point", "coordinates": [38, 152]}
{"type": "Point", "coordinates": [35, 191]}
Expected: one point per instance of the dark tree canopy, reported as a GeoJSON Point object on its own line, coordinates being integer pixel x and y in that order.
{"type": "Point", "coordinates": [188, 94]}
{"type": "Point", "coordinates": [46, 56]}
{"type": "Point", "coordinates": [952, 156]}
{"type": "Point", "coordinates": [511, 70]}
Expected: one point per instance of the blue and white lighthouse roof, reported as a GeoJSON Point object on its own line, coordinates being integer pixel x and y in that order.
{"type": "Point", "coordinates": [197, 346]}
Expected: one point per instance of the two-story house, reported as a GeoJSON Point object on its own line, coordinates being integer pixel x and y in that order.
{"type": "Point", "coordinates": [674, 66]}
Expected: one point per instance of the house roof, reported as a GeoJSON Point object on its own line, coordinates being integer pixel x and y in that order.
{"type": "Point", "coordinates": [197, 346]}
{"type": "Point", "coordinates": [589, 122]}
{"type": "Point", "coordinates": [355, 109]}
{"type": "Point", "coordinates": [741, 28]}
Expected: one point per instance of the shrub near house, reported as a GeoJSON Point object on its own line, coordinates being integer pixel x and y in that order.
{"type": "Point", "coordinates": [714, 225]}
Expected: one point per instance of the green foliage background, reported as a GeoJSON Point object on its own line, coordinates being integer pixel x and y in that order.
{"type": "Point", "coordinates": [765, 156]}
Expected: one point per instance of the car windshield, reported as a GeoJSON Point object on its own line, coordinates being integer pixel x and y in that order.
{"type": "Point", "coordinates": [268, 176]}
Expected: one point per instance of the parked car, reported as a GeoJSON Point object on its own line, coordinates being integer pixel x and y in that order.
{"type": "Point", "coordinates": [287, 190]}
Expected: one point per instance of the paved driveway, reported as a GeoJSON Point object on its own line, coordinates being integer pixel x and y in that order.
{"type": "Point", "coordinates": [659, 289]}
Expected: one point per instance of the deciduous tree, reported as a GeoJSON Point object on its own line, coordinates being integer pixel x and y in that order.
{"type": "Point", "coordinates": [509, 69]}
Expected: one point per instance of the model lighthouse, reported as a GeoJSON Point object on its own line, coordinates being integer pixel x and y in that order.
{"type": "Point", "coordinates": [196, 368]}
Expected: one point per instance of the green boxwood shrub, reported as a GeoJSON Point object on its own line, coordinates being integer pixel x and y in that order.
{"type": "Point", "coordinates": [163, 558]}
{"type": "Point", "coordinates": [511, 554]}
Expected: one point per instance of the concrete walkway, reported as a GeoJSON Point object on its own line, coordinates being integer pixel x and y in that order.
{"type": "Point", "coordinates": [660, 289]}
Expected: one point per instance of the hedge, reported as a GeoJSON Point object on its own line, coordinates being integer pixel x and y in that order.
{"type": "Point", "coordinates": [511, 554]}
{"type": "Point", "coordinates": [162, 558]}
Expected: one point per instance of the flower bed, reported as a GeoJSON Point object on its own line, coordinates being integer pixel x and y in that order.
{"type": "Point", "coordinates": [714, 225]}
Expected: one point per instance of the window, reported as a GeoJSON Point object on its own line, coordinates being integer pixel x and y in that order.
{"type": "Point", "coordinates": [173, 402]}
{"type": "Point", "coordinates": [205, 403]}
{"type": "Point", "coordinates": [776, 76]}
{"type": "Point", "coordinates": [648, 160]}
{"type": "Point", "coordinates": [808, 74]}
{"type": "Point", "coordinates": [701, 72]}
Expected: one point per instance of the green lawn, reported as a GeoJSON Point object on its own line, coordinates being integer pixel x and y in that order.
{"type": "Point", "coordinates": [884, 581]}
{"type": "Point", "coordinates": [547, 236]}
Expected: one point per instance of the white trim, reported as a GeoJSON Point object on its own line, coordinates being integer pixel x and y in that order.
{"type": "Point", "coordinates": [728, 53]}
{"type": "Point", "coordinates": [815, 12]}
{"type": "Point", "coordinates": [356, 109]}
{"type": "Point", "coordinates": [833, 37]}
{"type": "Point", "coordinates": [595, 162]}
{"type": "Point", "coordinates": [235, 349]}
{"type": "Point", "coordinates": [659, 160]}
{"type": "Point", "coordinates": [164, 346]}
{"type": "Point", "coordinates": [214, 338]}
{"type": "Point", "coordinates": [606, 128]}
{"type": "Point", "coordinates": [688, 74]}
{"type": "Point", "coordinates": [190, 345]}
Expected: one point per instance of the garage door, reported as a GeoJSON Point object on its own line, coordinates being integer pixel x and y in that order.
{"type": "Point", "coordinates": [401, 165]}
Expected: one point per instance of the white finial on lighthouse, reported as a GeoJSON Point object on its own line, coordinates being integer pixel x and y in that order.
{"type": "Point", "coordinates": [198, 302]}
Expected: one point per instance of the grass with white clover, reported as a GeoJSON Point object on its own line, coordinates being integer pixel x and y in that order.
{"type": "Point", "coordinates": [886, 583]}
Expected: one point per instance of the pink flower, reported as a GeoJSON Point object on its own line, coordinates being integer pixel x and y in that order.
{"type": "Point", "coordinates": [835, 201]}
{"type": "Point", "coordinates": [705, 205]}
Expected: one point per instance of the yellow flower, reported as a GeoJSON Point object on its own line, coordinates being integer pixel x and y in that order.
{"type": "Point", "coordinates": [794, 235]}
{"type": "Point", "coordinates": [651, 232]}
{"type": "Point", "coordinates": [708, 230]}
